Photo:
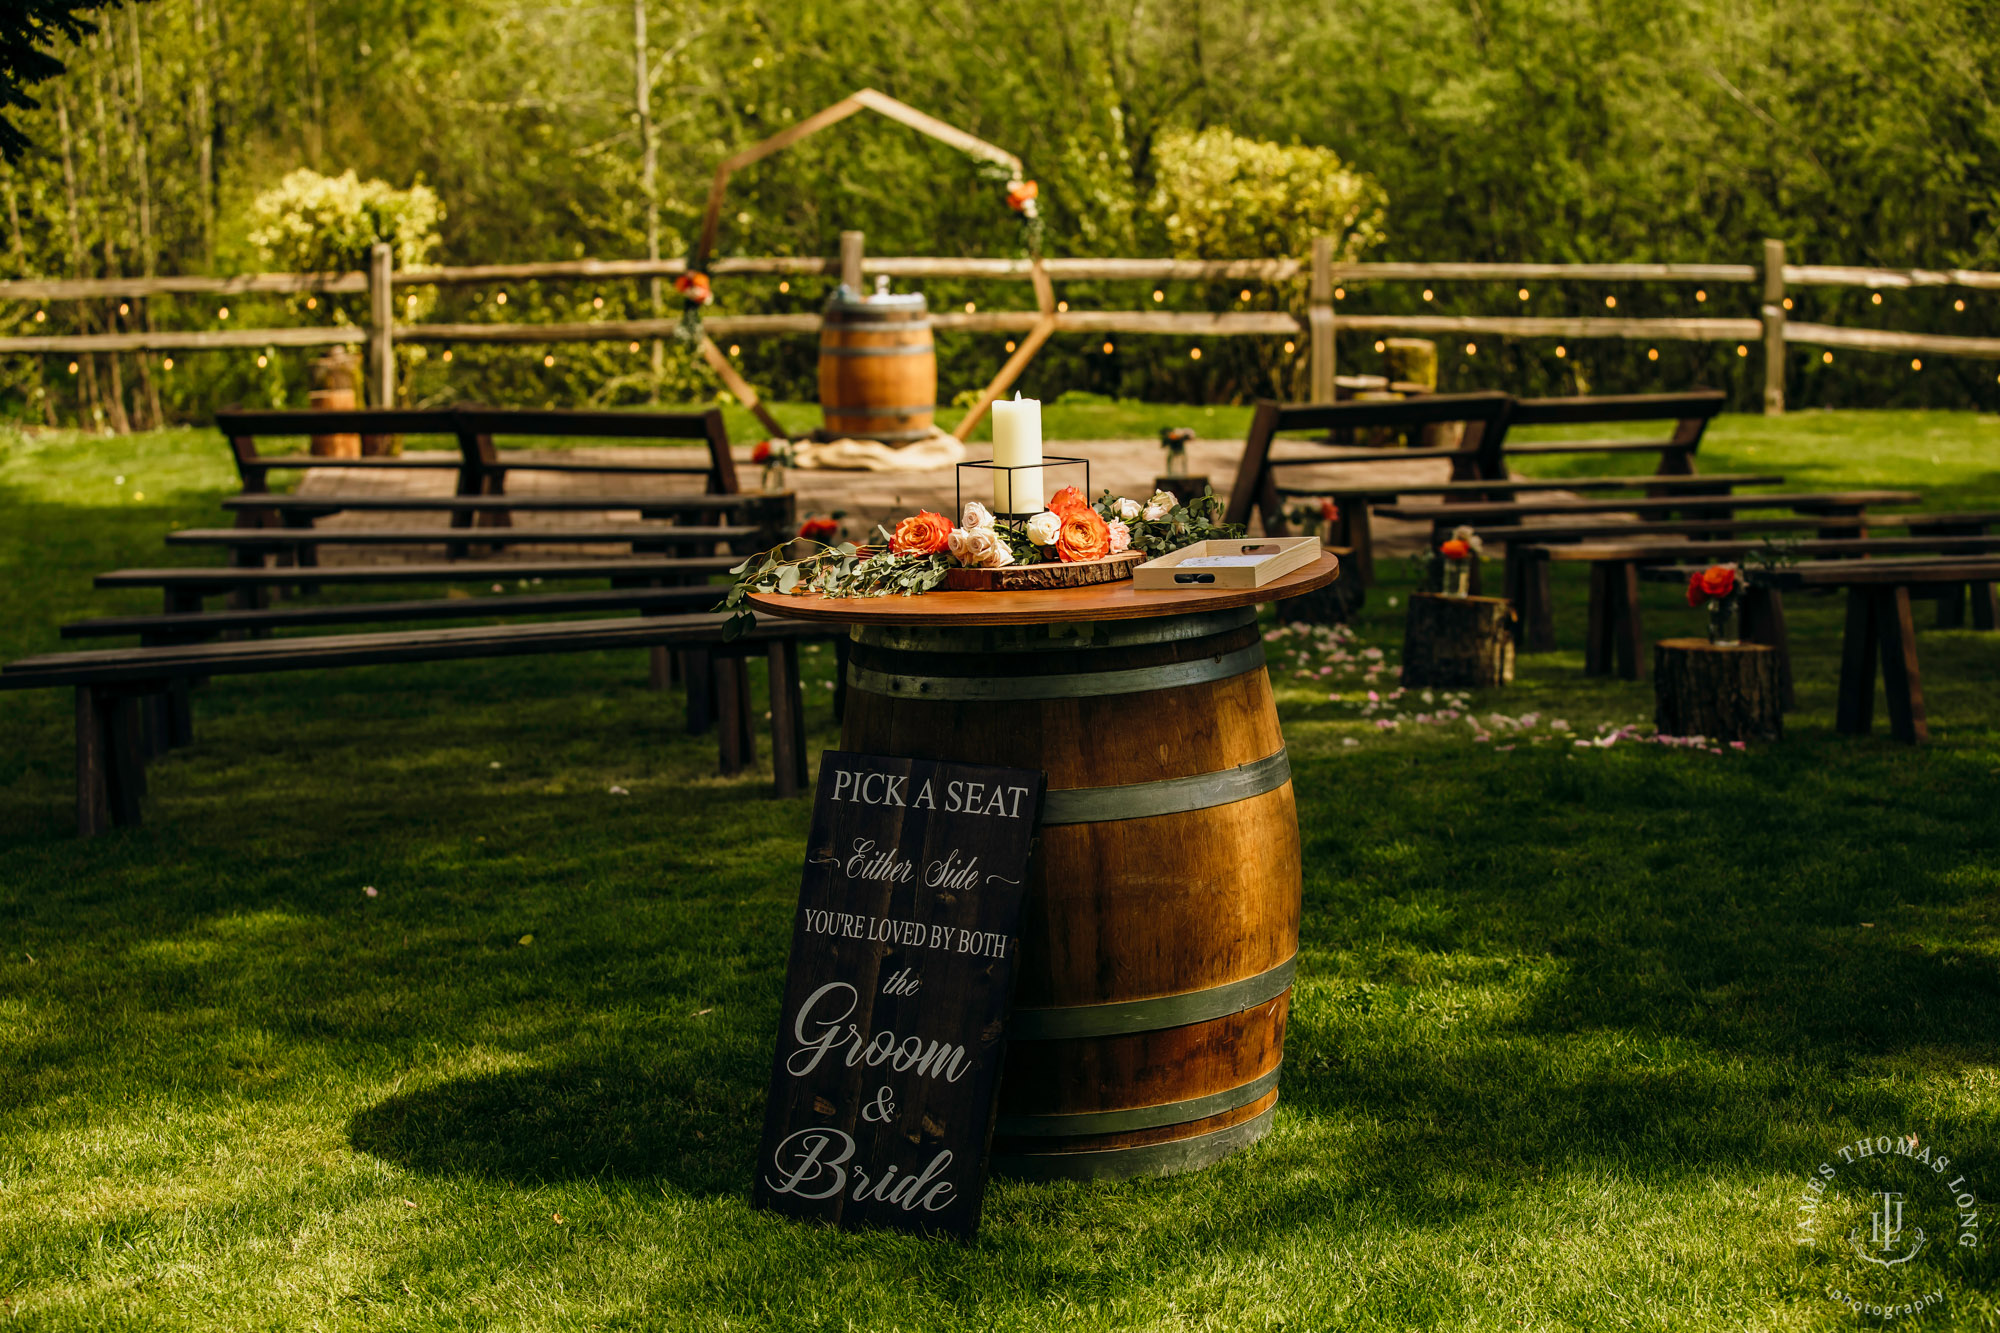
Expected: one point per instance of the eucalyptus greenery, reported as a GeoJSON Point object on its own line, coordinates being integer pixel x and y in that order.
{"type": "Point", "coordinates": [845, 570]}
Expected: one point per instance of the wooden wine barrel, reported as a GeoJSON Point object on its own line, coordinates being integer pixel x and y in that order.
{"type": "Point", "coordinates": [1162, 921]}
{"type": "Point", "coordinates": [877, 367]}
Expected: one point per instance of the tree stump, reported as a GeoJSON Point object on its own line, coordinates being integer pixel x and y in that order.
{"type": "Point", "coordinates": [1458, 642]}
{"type": "Point", "coordinates": [1182, 488]}
{"type": "Point", "coordinates": [1729, 692]}
{"type": "Point", "coordinates": [333, 382]}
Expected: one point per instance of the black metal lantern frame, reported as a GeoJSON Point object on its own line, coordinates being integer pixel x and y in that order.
{"type": "Point", "coordinates": [987, 465]}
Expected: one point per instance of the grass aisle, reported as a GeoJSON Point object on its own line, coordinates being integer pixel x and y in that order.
{"type": "Point", "coordinates": [394, 1014]}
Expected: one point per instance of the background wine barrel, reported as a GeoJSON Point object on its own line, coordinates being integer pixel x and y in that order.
{"type": "Point", "coordinates": [877, 367]}
{"type": "Point", "coordinates": [1162, 922]}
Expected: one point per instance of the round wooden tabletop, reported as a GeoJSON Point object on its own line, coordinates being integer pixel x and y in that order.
{"type": "Point", "coordinates": [1103, 601]}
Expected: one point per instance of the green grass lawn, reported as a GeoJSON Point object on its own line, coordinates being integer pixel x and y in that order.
{"type": "Point", "coordinates": [1572, 1025]}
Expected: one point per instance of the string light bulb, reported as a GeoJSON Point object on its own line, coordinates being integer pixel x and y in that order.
{"type": "Point", "coordinates": [1194, 354]}
{"type": "Point", "coordinates": [1958, 305]}
{"type": "Point", "coordinates": [548, 361]}
{"type": "Point", "coordinates": [1010, 344]}
{"type": "Point", "coordinates": [1788, 303]}
{"type": "Point", "coordinates": [597, 303]}
{"type": "Point", "coordinates": [167, 364]}
{"type": "Point", "coordinates": [1741, 350]}
{"type": "Point", "coordinates": [1916, 363]}
{"type": "Point", "coordinates": [1652, 354]}
{"type": "Point", "coordinates": [1340, 293]}
{"type": "Point", "coordinates": [1290, 348]}
{"type": "Point", "coordinates": [1159, 295]}
{"type": "Point", "coordinates": [1523, 293]}
{"type": "Point", "coordinates": [1700, 295]}
{"type": "Point", "coordinates": [1826, 357]}
{"type": "Point", "coordinates": [1062, 307]}
{"type": "Point", "coordinates": [1875, 298]}
{"type": "Point", "coordinates": [1107, 349]}
{"type": "Point", "coordinates": [1428, 293]}
{"type": "Point", "coordinates": [633, 347]}
{"type": "Point", "coordinates": [735, 349]}
{"type": "Point", "coordinates": [1472, 349]}
{"type": "Point", "coordinates": [501, 299]}
{"type": "Point", "coordinates": [1381, 346]}
{"type": "Point", "coordinates": [447, 354]}
{"type": "Point", "coordinates": [1561, 351]}
{"type": "Point", "coordinates": [1610, 303]}
{"type": "Point", "coordinates": [784, 286]}
{"type": "Point", "coordinates": [971, 306]}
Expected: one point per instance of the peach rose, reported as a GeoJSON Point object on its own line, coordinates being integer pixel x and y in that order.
{"type": "Point", "coordinates": [1067, 499]}
{"type": "Point", "coordinates": [1084, 536]}
{"type": "Point", "coordinates": [1121, 536]}
{"type": "Point", "coordinates": [924, 534]}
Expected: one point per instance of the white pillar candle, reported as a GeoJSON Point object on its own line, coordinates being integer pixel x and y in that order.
{"type": "Point", "coordinates": [1017, 443]}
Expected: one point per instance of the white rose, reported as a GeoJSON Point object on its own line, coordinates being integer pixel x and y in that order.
{"type": "Point", "coordinates": [1154, 513]}
{"type": "Point", "coordinates": [1121, 536]}
{"type": "Point", "coordinates": [1126, 509]}
{"type": "Point", "coordinates": [979, 548]}
{"type": "Point", "coordinates": [1044, 527]}
{"type": "Point", "coordinates": [977, 515]}
{"type": "Point", "coordinates": [1164, 499]}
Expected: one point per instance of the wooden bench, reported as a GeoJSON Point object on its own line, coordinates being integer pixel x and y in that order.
{"type": "Point", "coordinates": [481, 468]}
{"type": "Point", "coordinates": [1615, 640]}
{"type": "Point", "coordinates": [1879, 624]}
{"type": "Point", "coordinates": [185, 587]}
{"type": "Point", "coordinates": [1528, 563]}
{"type": "Point", "coordinates": [1503, 518]}
{"type": "Point", "coordinates": [249, 546]}
{"type": "Point", "coordinates": [1256, 490]}
{"type": "Point", "coordinates": [111, 685]}
{"type": "Point", "coordinates": [1690, 412]}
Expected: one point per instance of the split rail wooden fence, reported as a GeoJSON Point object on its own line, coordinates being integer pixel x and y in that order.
{"type": "Point", "coordinates": [1771, 329]}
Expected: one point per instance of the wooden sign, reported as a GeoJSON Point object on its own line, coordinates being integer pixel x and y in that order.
{"type": "Point", "coordinates": [904, 953]}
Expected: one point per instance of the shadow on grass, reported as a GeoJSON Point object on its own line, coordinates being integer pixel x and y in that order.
{"type": "Point", "coordinates": [618, 1119]}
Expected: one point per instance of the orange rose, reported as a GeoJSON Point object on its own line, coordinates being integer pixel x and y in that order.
{"type": "Point", "coordinates": [1022, 193]}
{"type": "Point", "coordinates": [925, 534]}
{"type": "Point", "coordinates": [1084, 536]}
{"type": "Point", "coordinates": [1715, 581]}
{"type": "Point", "coordinates": [1455, 550]}
{"type": "Point", "coordinates": [1067, 499]}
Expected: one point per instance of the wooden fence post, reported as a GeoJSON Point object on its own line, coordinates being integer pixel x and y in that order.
{"type": "Point", "coordinates": [381, 326]}
{"type": "Point", "coordinates": [850, 260]}
{"type": "Point", "coordinates": [1319, 322]}
{"type": "Point", "coordinates": [1774, 328]}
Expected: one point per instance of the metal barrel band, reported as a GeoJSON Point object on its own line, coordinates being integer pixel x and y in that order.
{"type": "Point", "coordinates": [1168, 796]}
{"type": "Point", "coordinates": [1069, 1022]}
{"type": "Point", "coordinates": [877, 410]}
{"type": "Point", "coordinates": [1076, 685]}
{"type": "Point", "coordinates": [1138, 1117]}
{"type": "Point", "coordinates": [906, 349]}
{"type": "Point", "coordinates": [1066, 636]}
{"type": "Point", "coordinates": [1146, 1159]}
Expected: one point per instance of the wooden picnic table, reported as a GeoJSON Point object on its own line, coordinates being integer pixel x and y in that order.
{"type": "Point", "coordinates": [1879, 624]}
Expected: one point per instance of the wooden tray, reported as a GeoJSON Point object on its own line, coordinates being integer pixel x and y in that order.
{"type": "Point", "coordinates": [1273, 558]}
{"type": "Point", "coordinates": [1054, 574]}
